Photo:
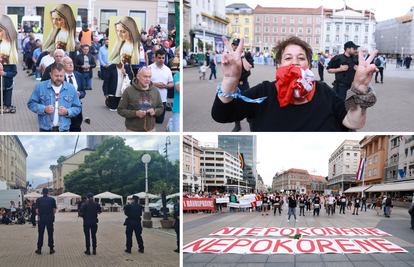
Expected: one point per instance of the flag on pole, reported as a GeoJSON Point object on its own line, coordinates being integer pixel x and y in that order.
{"type": "Point", "coordinates": [401, 173]}
{"type": "Point", "coordinates": [361, 169]}
{"type": "Point", "coordinates": [241, 160]}
{"type": "Point", "coordinates": [400, 138]}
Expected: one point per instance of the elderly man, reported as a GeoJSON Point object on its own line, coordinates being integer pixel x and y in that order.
{"type": "Point", "coordinates": [140, 103]}
{"type": "Point", "coordinates": [162, 79]}
{"type": "Point", "coordinates": [58, 56]}
{"type": "Point", "coordinates": [84, 63]}
{"type": "Point", "coordinates": [55, 101]}
{"type": "Point", "coordinates": [78, 50]}
{"type": "Point", "coordinates": [76, 79]}
{"type": "Point", "coordinates": [169, 54]}
{"type": "Point", "coordinates": [113, 83]}
{"type": "Point", "coordinates": [103, 59]}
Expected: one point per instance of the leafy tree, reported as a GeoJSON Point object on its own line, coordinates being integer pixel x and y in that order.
{"type": "Point", "coordinates": [60, 160]}
{"type": "Point", "coordinates": [117, 167]}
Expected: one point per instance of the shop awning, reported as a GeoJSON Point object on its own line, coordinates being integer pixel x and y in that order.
{"type": "Point", "coordinates": [404, 186]}
{"type": "Point", "coordinates": [356, 189]}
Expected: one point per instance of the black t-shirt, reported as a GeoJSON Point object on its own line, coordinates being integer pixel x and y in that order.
{"type": "Point", "coordinates": [292, 203]}
{"type": "Point", "coordinates": [277, 199]}
{"type": "Point", "coordinates": [265, 200]}
{"type": "Point", "coordinates": [245, 74]}
{"type": "Point", "coordinates": [325, 112]}
{"type": "Point", "coordinates": [344, 76]}
{"type": "Point", "coordinates": [45, 205]}
{"type": "Point", "coordinates": [364, 200]}
{"type": "Point", "coordinates": [316, 200]}
{"type": "Point", "coordinates": [357, 201]}
{"type": "Point", "coordinates": [343, 200]}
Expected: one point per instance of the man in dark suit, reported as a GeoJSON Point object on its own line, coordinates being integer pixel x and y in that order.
{"type": "Point", "coordinates": [84, 63]}
{"type": "Point", "coordinates": [112, 86]}
{"type": "Point", "coordinates": [78, 51]}
{"type": "Point", "coordinates": [76, 79]}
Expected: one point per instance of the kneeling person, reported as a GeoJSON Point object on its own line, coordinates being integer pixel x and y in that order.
{"type": "Point", "coordinates": [141, 103]}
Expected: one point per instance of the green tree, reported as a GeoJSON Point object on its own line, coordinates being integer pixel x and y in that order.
{"type": "Point", "coordinates": [186, 44]}
{"type": "Point", "coordinates": [60, 160]}
{"type": "Point", "coordinates": [200, 44]}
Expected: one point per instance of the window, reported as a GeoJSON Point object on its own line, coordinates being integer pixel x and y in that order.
{"type": "Point", "coordinates": [355, 154]}
{"type": "Point", "coordinates": [274, 29]}
{"type": "Point", "coordinates": [12, 161]}
{"type": "Point", "coordinates": [369, 173]}
{"type": "Point", "coordinates": [308, 40]}
{"type": "Point", "coordinates": [347, 27]}
{"type": "Point", "coordinates": [346, 38]}
{"type": "Point", "coordinates": [355, 161]}
{"type": "Point", "coordinates": [300, 30]}
{"type": "Point", "coordinates": [328, 27]}
{"type": "Point", "coordinates": [203, 1]}
{"type": "Point", "coordinates": [257, 38]}
{"type": "Point", "coordinates": [370, 162]}
{"type": "Point", "coordinates": [354, 166]}
{"type": "Point", "coordinates": [236, 20]}
{"type": "Point", "coordinates": [13, 10]}
{"type": "Point", "coordinates": [347, 166]}
{"type": "Point", "coordinates": [258, 28]}
{"type": "Point", "coordinates": [257, 18]}
{"type": "Point", "coordinates": [300, 20]}
{"type": "Point", "coordinates": [266, 39]}
{"type": "Point", "coordinates": [105, 14]}
{"type": "Point", "coordinates": [139, 14]}
{"type": "Point", "coordinates": [283, 29]}
{"type": "Point", "coordinates": [318, 20]}
{"type": "Point", "coordinates": [318, 30]}
{"type": "Point", "coordinates": [366, 39]}
{"type": "Point", "coordinates": [266, 19]}
{"type": "Point", "coordinates": [348, 154]}
{"type": "Point", "coordinates": [337, 38]}
{"type": "Point", "coordinates": [283, 19]}
{"type": "Point", "coordinates": [187, 149]}
{"type": "Point", "coordinates": [283, 38]}
{"type": "Point", "coordinates": [246, 21]}
{"type": "Point", "coordinates": [412, 151]}
{"type": "Point", "coordinates": [366, 28]}
{"type": "Point", "coordinates": [274, 19]}
{"type": "Point", "coordinates": [187, 167]}
{"type": "Point", "coordinates": [309, 20]}
{"type": "Point", "coordinates": [338, 27]}
{"type": "Point", "coordinates": [266, 28]}
{"type": "Point", "coordinates": [292, 29]}
{"type": "Point", "coordinates": [187, 158]}
{"type": "Point", "coordinates": [274, 39]}
{"type": "Point", "coordinates": [327, 38]}
{"type": "Point", "coordinates": [357, 28]}
{"type": "Point", "coordinates": [394, 142]}
{"type": "Point", "coordinates": [246, 30]}
{"type": "Point", "coordinates": [375, 172]}
{"type": "Point", "coordinates": [292, 20]}
{"type": "Point", "coordinates": [356, 39]}
{"type": "Point", "coordinates": [246, 40]}
{"type": "Point", "coordinates": [308, 30]}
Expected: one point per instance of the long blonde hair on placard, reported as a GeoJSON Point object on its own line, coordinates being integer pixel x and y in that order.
{"type": "Point", "coordinates": [7, 25]}
{"type": "Point", "coordinates": [129, 25]}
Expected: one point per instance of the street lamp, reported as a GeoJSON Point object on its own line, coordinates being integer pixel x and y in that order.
{"type": "Point", "coordinates": [167, 142]}
{"type": "Point", "coordinates": [204, 26]}
{"type": "Point", "coordinates": [147, 214]}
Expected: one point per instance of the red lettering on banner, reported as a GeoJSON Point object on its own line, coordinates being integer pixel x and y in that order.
{"type": "Point", "coordinates": [302, 231]}
{"type": "Point", "coordinates": [364, 243]}
{"type": "Point", "coordinates": [347, 230]}
{"type": "Point", "coordinates": [291, 231]}
{"type": "Point", "coordinates": [236, 244]}
{"type": "Point", "coordinates": [226, 231]}
{"type": "Point", "coordinates": [197, 244]}
{"type": "Point", "coordinates": [269, 245]}
{"type": "Point", "coordinates": [240, 231]}
{"type": "Point", "coordinates": [253, 230]}
{"type": "Point", "coordinates": [327, 246]}
{"type": "Point", "coordinates": [257, 198]}
{"type": "Point", "coordinates": [299, 245]}
{"type": "Point", "coordinates": [271, 230]}
{"type": "Point", "coordinates": [332, 231]}
{"type": "Point", "coordinates": [198, 203]}
{"type": "Point", "coordinates": [217, 243]}
{"type": "Point", "coordinates": [376, 231]}
{"type": "Point", "coordinates": [280, 243]}
{"type": "Point", "coordinates": [343, 246]}
{"type": "Point", "coordinates": [362, 231]}
{"type": "Point", "coordinates": [381, 243]}
{"type": "Point", "coordinates": [313, 231]}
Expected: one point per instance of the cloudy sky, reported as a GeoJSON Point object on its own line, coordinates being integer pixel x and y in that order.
{"type": "Point", "coordinates": [307, 151]}
{"type": "Point", "coordinates": [44, 151]}
{"type": "Point", "coordinates": [383, 9]}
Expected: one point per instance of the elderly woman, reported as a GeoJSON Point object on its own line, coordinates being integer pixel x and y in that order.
{"type": "Point", "coordinates": [126, 48]}
{"type": "Point", "coordinates": [63, 32]}
{"type": "Point", "coordinates": [8, 41]}
{"type": "Point", "coordinates": [295, 101]}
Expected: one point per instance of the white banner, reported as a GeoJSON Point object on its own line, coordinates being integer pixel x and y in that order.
{"type": "Point", "coordinates": [222, 200]}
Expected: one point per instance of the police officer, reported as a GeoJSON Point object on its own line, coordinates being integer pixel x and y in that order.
{"type": "Point", "coordinates": [133, 223]}
{"type": "Point", "coordinates": [177, 223]}
{"type": "Point", "coordinates": [46, 209]}
{"type": "Point", "coordinates": [89, 211]}
{"type": "Point", "coordinates": [247, 64]}
{"type": "Point", "coordinates": [344, 67]}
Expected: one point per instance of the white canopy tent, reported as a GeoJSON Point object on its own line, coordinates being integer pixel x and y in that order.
{"type": "Point", "coordinates": [357, 189]}
{"type": "Point", "coordinates": [142, 195]}
{"type": "Point", "coordinates": [404, 186]}
{"type": "Point", "coordinates": [69, 195]}
{"type": "Point", "coordinates": [33, 195]}
{"type": "Point", "coordinates": [67, 204]}
{"type": "Point", "coordinates": [109, 195]}
{"type": "Point", "coordinates": [173, 195]}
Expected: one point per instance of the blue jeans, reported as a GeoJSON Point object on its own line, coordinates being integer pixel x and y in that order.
{"type": "Point", "coordinates": [213, 71]}
{"type": "Point", "coordinates": [292, 210]}
{"type": "Point", "coordinates": [342, 91]}
{"type": "Point", "coordinates": [160, 119]}
{"type": "Point", "coordinates": [7, 96]}
{"type": "Point", "coordinates": [364, 204]}
{"type": "Point", "coordinates": [38, 75]}
{"type": "Point", "coordinates": [43, 130]}
{"type": "Point", "coordinates": [387, 211]}
{"type": "Point", "coordinates": [87, 79]}
{"type": "Point", "coordinates": [174, 124]}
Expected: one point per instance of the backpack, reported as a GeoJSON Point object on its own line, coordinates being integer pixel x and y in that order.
{"type": "Point", "coordinates": [377, 62]}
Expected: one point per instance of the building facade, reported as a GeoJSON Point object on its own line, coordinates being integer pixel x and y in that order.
{"type": "Point", "coordinates": [394, 36]}
{"type": "Point", "coordinates": [400, 156]}
{"type": "Point", "coordinates": [240, 17]}
{"type": "Point", "coordinates": [343, 165]}
{"type": "Point", "coordinates": [220, 170]}
{"type": "Point", "coordinates": [12, 162]}
{"type": "Point", "coordinates": [374, 149]}
{"type": "Point", "coordinates": [186, 20]}
{"type": "Point", "coordinates": [92, 141]}
{"type": "Point", "coordinates": [273, 24]}
{"type": "Point", "coordinates": [291, 180]}
{"type": "Point", "coordinates": [341, 26]}
{"type": "Point", "coordinates": [191, 164]}
{"type": "Point", "coordinates": [40, 187]}
{"type": "Point", "coordinates": [246, 144]}
{"type": "Point", "coordinates": [318, 183]}
{"type": "Point", "coordinates": [212, 13]}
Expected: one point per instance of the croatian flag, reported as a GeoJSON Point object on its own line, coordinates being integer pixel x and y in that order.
{"type": "Point", "coordinates": [400, 138]}
{"type": "Point", "coordinates": [361, 169]}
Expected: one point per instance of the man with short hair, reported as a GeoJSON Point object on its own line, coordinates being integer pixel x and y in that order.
{"type": "Point", "coordinates": [46, 209]}
{"type": "Point", "coordinates": [113, 83]}
{"type": "Point", "coordinates": [342, 203]}
{"type": "Point", "coordinates": [84, 63]}
{"type": "Point", "coordinates": [27, 49]}
{"type": "Point", "coordinates": [57, 56]}
{"type": "Point", "coordinates": [321, 66]}
{"type": "Point", "coordinates": [169, 55]}
{"type": "Point", "coordinates": [133, 224]}
{"type": "Point", "coordinates": [103, 59]}
{"type": "Point", "coordinates": [95, 46]}
{"type": "Point", "coordinates": [162, 79]}
{"type": "Point", "coordinates": [55, 101]}
{"type": "Point", "coordinates": [388, 205]}
{"type": "Point", "coordinates": [364, 203]}
{"type": "Point", "coordinates": [76, 79]}
{"type": "Point", "coordinates": [35, 57]}
{"type": "Point", "coordinates": [357, 204]}
{"type": "Point", "coordinates": [141, 103]}
{"type": "Point", "coordinates": [151, 53]}
{"type": "Point", "coordinates": [89, 212]}
{"type": "Point", "coordinates": [78, 50]}
{"type": "Point", "coordinates": [85, 36]}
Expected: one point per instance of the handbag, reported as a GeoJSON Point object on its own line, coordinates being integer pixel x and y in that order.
{"type": "Point", "coordinates": [125, 84]}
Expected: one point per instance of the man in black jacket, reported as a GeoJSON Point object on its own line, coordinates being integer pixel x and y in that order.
{"type": "Point", "coordinates": [78, 51]}
{"type": "Point", "coordinates": [84, 63]}
{"type": "Point", "coordinates": [89, 212]}
{"type": "Point", "coordinates": [112, 85]}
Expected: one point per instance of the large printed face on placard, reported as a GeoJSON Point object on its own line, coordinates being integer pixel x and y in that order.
{"type": "Point", "coordinates": [59, 27]}
{"type": "Point", "coordinates": [8, 40]}
{"type": "Point", "coordinates": [124, 40]}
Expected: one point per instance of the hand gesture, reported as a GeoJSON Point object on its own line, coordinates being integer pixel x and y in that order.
{"type": "Point", "coordinates": [151, 112]}
{"type": "Point", "coordinates": [140, 114]}
{"type": "Point", "coordinates": [63, 111]}
{"type": "Point", "coordinates": [231, 61]}
{"type": "Point", "coordinates": [49, 109]}
{"type": "Point", "coordinates": [365, 70]}
{"type": "Point", "coordinates": [344, 67]}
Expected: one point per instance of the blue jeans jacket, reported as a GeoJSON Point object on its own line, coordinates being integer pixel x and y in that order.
{"type": "Point", "coordinates": [44, 95]}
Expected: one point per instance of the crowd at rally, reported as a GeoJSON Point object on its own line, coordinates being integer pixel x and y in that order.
{"type": "Point", "coordinates": [19, 216]}
{"type": "Point", "coordinates": [159, 80]}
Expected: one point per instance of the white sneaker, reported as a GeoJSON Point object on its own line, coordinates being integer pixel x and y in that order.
{"type": "Point", "coordinates": [296, 220]}
{"type": "Point", "coordinates": [210, 81]}
{"type": "Point", "coordinates": [288, 221]}
{"type": "Point", "coordinates": [112, 109]}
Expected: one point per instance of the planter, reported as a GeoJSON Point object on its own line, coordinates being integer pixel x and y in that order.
{"type": "Point", "coordinates": [173, 221]}
{"type": "Point", "coordinates": [166, 224]}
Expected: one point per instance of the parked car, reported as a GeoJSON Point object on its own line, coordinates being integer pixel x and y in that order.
{"type": "Point", "coordinates": [156, 207]}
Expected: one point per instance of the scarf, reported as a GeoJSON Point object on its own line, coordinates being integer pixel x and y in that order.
{"type": "Point", "coordinates": [294, 82]}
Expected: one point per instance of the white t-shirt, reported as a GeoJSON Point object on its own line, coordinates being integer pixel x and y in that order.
{"type": "Point", "coordinates": [331, 200]}
{"type": "Point", "coordinates": [161, 75]}
{"type": "Point", "coordinates": [56, 112]}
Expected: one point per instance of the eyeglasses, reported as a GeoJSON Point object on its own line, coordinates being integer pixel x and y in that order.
{"type": "Point", "coordinates": [144, 67]}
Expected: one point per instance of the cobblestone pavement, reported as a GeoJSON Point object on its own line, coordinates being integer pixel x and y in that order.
{"type": "Point", "coordinates": [93, 105]}
{"type": "Point", "coordinates": [18, 243]}
{"type": "Point", "coordinates": [392, 112]}
{"type": "Point", "coordinates": [201, 225]}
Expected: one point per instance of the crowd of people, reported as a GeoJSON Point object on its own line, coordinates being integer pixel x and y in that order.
{"type": "Point", "coordinates": [19, 216]}
{"type": "Point", "coordinates": [159, 61]}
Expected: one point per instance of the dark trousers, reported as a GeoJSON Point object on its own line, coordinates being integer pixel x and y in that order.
{"type": "Point", "coordinates": [13, 216]}
{"type": "Point", "coordinates": [412, 220]}
{"type": "Point", "coordinates": [160, 119]}
{"type": "Point", "coordinates": [342, 209]}
{"type": "Point", "coordinates": [92, 226]}
{"type": "Point", "coordinates": [381, 70]}
{"type": "Point", "coordinates": [308, 206]}
{"type": "Point", "coordinates": [48, 223]}
{"type": "Point", "coordinates": [177, 231]}
{"type": "Point", "coordinates": [33, 219]}
{"type": "Point", "coordinates": [75, 123]}
{"type": "Point", "coordinates": [301, 210]}
{"type": "Point", "coordinates": [7, 97]}
{"type": "Point", "coordinates": [131, 227]}
{"type": "Point", "coordinates": [320, 71]}
{"type": "Point", "coordinates": [213, 71]}
{"type": "Point", "coordinates": [342, 91]}
{"type": "Point", "coordinates": [113, 102]}
{"type": "Point", "coordinates": [103, 72]}
{"type": "Point", "coordinates": [277, 207]}
{"type": "Point", "coordinates": [316, 210]}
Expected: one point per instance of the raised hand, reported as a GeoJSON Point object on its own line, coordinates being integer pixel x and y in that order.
{"type": "Point", "coordinates": [365, 70]}
{"type": "Point", "coordinates": [231, 61]}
